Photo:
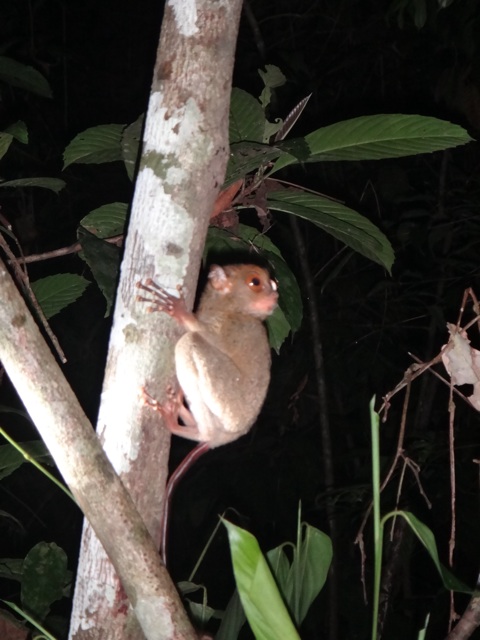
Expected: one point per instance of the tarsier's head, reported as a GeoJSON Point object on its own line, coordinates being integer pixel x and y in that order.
{"type": "Point", "coordinates": [247, 288]}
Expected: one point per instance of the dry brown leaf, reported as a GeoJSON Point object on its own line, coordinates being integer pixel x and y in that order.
{"type": "Point", "coordinates": [462, 362]}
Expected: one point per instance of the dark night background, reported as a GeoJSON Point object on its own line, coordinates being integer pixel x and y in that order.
{"type": "Point", "coordinates": [355, 58]}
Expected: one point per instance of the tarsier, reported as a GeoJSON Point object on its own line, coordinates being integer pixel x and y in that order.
{"type": "Point", "coordinates": [222, 361]}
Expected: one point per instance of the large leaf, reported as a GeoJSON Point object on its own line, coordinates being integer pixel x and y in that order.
{"type": "Point", "coordinates": [95, 145]}
{"type": "Point", "coordinates": [340, 221]}
{"type": "Point", "coordinates": [247, 119]}
{"type": "Point", "coordinates": [380, 136]}
{"type": "Point", "coordinates": [24, 77]}
{"type": "Point", "coordinates": [54, 293]}
{"type": "Point", "coordinates": [426, 537]}
{"type": "Point", "coordinates": [103, 259]}
{"type": "Point", "coordinates": [44, 578]}
{"type": "Point", "coordinates": [107, 220]}
{"type": "Point", "coordinates": [263, 605]}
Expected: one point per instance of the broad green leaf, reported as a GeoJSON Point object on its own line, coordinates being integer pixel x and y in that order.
{"type": "Point", "coordinates": [95, 145]}
{"type": "Point", "coordinates": [247, 119]}
{"type": "Point", "coordinates": [24, 77]}
{"type": "Point", "coordinates": [426, 537]}
{"type": "Point", "coordinates": [103, 259]}
{"type": "Point", "coordinates": [106, 221]}
{"type": "Point", "coordinates": [278, 329]}
{"type": "Point", "coordinates": [131, 139]}
{"type": "Point", "coordinates": [340, 221]}
{"type": "Point", "coordinates": [310, 567]}
{"type": "Point", "coordinates": [5, 142]}
{"type": "Point", "coordinates": [11, 459]}
{"type": "Point", "coordinates": [380, 136]}
{"type": "Point", "coordinates": [301, 581]}
{"type": "Point", "coordinates": [19, 131]}
{"type": "Point", "coordinates": [54, 184]}
{"type": "Point", "coordinates": [54, 293]}
{"type": "Point", "coordinates": [289, 298]}
{"type": "Point", "coordinates": [44, 577]}
{"type": "Point", "coordinates": [263, 605]}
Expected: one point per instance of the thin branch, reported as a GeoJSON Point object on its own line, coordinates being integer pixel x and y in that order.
{"type": "Point", "coordinates": [81, 460]}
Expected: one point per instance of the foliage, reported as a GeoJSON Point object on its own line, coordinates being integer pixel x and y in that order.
{"type": "Point", "coordinates": [351, 59]}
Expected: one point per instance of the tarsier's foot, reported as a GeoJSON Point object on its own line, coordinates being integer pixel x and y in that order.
{"type": "Point", "coordinates": [160, 299]}
{"type": "Point", "coordinates": [169, 410]}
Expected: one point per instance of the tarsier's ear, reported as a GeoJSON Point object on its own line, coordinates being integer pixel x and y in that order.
{"type": "Point", "coordinates": [218, 279]}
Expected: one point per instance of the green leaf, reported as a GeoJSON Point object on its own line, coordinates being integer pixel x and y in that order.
{"type": "Point", "coordinates": [19, 131]}
{"type": "Point", "coordinates": [131, 139]}
{"type": "Point", "coordinates": [278, 329]}
{"type": "Point", "coordinates": [289, 296]}
{"type": "Point", "coordinates": [272, 78]}
{"type": "Point", "coordinates": [54, 293]}
{"type": "Point", "coordinates": [95, 145]}
{"type": "Point", "coordinates": [11, 459]}
{"type": "Point", "coordinates": [54, 184]}
{"type": "Point", "coordinates": [106, 221]}
{"type": "Point", "coordinates": [103, 259]}
{"type": "Point", "coordinates": [24, 77]}
{"type": "Point", "coordinates": [301, 582]}
{"type": "Point", "coordinates": [340, 221]}
{"type": "Point", "coordinates": [233, 619]}
{"type": "Point", "coordinates": [247, 119]}
{"type": "Point", "coordinates": [426, 537]}
{"type": "Point", "coordinates": [44, 577]}
{"type": "Point", "coordinates": [380, 136]}
{"type": "Point", "coordinates": [5, 142]}
{"type": "Point", "coordinates": [263, 605]}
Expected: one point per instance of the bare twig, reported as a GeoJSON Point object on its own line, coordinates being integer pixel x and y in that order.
{"type": "Point", "coordinates": [22, 279]}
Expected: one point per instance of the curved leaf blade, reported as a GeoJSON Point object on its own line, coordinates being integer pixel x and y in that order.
{"type": "Point", "coordinates": [247, 119]}
{"type": "Point", "coordinates": [95, 145]}
{"type": "Point", "coordinates": [107, 220]}
{"type": "Point", "coordinates": [426, 537]}
{"type": "Point", "coordinates": [263, 605]}
{"type": "Point", "coordinates": [24, 77]}
{"type": "Point", "coordinates": [54, 293]}
{"type": "Point", "coordinates": [380, 136]}
{"type": "Point", "coordinates": [343, 223]}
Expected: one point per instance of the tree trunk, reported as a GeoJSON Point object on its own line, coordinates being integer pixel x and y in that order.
{"type": "Point", "coordinates": [182, 168]}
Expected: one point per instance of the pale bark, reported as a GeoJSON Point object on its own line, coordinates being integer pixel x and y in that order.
{"type": "Point", "coordinates": [182, 168]}
{"type": "Point", "coordinates": [78, 454]}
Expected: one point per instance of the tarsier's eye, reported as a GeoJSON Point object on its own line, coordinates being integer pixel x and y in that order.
{"type": "Point", "coordinates": [254, 282]}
